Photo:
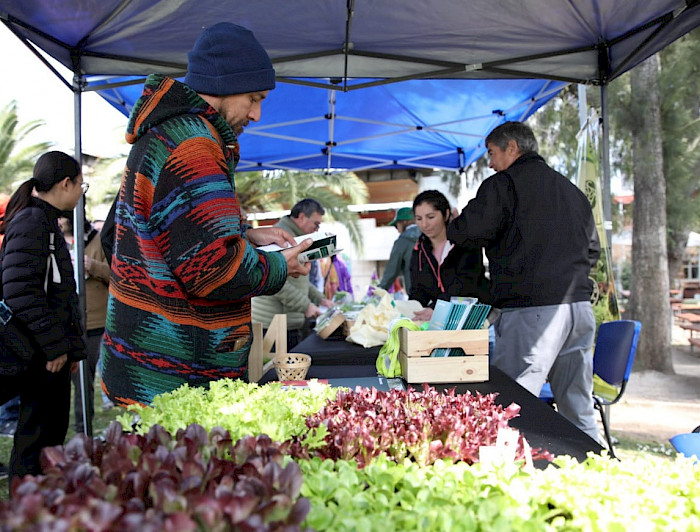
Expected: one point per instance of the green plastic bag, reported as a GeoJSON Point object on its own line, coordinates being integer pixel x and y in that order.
{"type": "Point", "coordinates": [388, 359]}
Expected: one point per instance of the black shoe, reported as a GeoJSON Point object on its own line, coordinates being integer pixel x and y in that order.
{"type": "Point", "coordinates": [4, 471]}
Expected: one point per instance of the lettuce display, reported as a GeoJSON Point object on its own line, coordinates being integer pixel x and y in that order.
{"type": "Point", "coordinates": [193, 482]}
{"type": "Point", "coordinates": [347, 461]}
{"type": "Point", "coordinates": [647, 493]}
{"type": "Point", "coordinates": [423, 426]}
{"type": "Point", "coordinates": [241, 408]}
{"type": "Point", "coordinates": [156, 482]}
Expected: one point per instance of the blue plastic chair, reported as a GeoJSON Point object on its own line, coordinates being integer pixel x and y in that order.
{"type": "Point", "coordinates": [613, 357]}
{"type": "Point", "coordinates": [687, 444]}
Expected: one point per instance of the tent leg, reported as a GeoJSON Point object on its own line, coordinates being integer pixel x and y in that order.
{"type": "Point", "coordinates": [82, 382]}
{"type": "Point", "coordinates": [79, 244]}
{"type": "Point", "coordinates": [605, 156]}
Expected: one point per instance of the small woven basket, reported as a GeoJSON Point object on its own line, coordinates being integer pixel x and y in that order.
{"type": "Point", "coordinates": [292, 366]}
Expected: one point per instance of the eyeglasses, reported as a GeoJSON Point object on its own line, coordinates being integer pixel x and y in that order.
{"type": "Point", "coordinates": [84, 186]}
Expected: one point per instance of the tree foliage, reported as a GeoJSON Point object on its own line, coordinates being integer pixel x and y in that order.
{"type": "Point", "coordinates": [16, 161]}
{"type": "Point", "coordinates": [680, 111]}
{"type": "Point", "coordinates": [556, 126]}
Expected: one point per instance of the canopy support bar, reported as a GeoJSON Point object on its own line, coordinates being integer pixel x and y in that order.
{"type": "Point", "coordinates": [79, 241]}
{"type": "Point", "coordinates": [605, 154]}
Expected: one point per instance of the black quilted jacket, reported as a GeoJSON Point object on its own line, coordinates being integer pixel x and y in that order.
{"type": "Point", "coordinates": [52, 316]}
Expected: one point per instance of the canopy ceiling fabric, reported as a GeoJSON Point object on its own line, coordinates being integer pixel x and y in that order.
{"type": "Point", "coordinates": [377, 46]}
{"type": "Point", "coordinates": [412, 124]}
{"type": "Point", "coordinates": [580, 41]}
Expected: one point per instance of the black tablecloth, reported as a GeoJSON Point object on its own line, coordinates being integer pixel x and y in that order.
{"type": "Point", "coordinates": [335, 350]}
{"type": "Point", "coordinates": [541, 425]}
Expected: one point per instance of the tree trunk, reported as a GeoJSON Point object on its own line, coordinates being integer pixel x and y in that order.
{"type": "Point", "coordinates": [649, 302]}
{"type": "Point", "coordinates": [676, 253]}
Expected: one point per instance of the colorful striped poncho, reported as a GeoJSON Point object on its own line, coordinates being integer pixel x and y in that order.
{"type": "Point", "coordinates": [182, 272]}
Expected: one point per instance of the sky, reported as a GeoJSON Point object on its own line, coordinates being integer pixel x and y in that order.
{"type": "Point", "coordinates": [40, 95]}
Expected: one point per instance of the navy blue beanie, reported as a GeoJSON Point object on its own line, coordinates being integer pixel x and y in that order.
{"type": "Point", "coordinates": [228, 59]}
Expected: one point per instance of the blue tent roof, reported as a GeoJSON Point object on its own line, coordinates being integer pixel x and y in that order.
{"type": "Point", "coordinates": [412, 124]}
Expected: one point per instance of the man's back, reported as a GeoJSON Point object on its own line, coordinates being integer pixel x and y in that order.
{"type": "Point", "coordinates": [547, 242]}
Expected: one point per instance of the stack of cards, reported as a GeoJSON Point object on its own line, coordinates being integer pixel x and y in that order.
{"type": "Point", "coordinates": [324, 245]}
{"type": "Point", "coordinates": [454, 316]}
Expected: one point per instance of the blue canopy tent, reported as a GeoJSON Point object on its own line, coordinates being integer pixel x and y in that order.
{"type": "Point", "coordinates": [410, 124]}
{"type": "Point", "coordinates": [347, 45]}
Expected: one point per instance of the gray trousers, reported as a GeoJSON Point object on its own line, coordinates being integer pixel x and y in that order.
{"type": "Point", "coordinates": [553, 342]}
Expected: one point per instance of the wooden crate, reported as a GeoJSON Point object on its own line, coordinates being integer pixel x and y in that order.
{"type": "Point", "coordinates": [418, 366]}
{"type": "Point", "coordinates": [336, 321]}
{"type": "Point", "coordinates": [347, 325]}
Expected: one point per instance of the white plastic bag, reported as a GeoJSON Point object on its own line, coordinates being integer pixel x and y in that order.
{"type": "Point", "coordinates": [371, 326]}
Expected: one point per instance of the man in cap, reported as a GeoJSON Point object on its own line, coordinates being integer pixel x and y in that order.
{"type": "Point", "coordinates": [400, 258]}
{"type": "Point", "coordinates": [184, 265]}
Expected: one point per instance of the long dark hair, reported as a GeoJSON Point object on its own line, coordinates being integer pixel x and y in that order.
{"type": "Point", "coordinates": [51, 168]}
{"type": "Point", "coordinates": [437, 199]}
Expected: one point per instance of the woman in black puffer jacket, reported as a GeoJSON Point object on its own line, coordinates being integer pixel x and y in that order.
{"type": "Point", "coordinates": [439, 269]}
{"type": "Point", "coordinates": [39, 287]}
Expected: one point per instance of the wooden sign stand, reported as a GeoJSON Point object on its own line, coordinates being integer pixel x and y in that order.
{"type": "Point", "coordinates": [261, 348]}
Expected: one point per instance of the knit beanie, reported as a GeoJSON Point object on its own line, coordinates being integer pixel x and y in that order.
{"type": "Point", "coordinates": [228, 59]}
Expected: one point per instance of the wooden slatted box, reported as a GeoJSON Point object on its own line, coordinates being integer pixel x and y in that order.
{"type": "Point", "coordinates": [418, 366]}
{"type": "Point", "coordinates": [329, 328]}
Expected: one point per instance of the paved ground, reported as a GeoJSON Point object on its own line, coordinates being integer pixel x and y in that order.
{"type": "Point", "coordinates": [657, 406]}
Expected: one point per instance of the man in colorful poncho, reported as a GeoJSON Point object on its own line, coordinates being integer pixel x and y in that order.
{"type": "Point", "coordinates": [184, 265]}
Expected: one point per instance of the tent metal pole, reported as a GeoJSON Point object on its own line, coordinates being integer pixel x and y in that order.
{"type": "Point", "coordinates": [582, 106]}
{"type": "Point", "coordinates": [605, 156]}
{"type": "Point", "coordinates": [79, 248]}
{"type": "Point", "coordinates": [331, 130]}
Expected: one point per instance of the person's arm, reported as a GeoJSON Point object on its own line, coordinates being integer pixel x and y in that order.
{"type": "Point", "coordinates": [195, 222]}
{"type": "Point", "coordinates": [418, 291]}
{"type": "Point", "coordinates": [262, 236]}
{"type": "Point", "coordinates": [593, 243]}
{"type": "Point", "coordinates": [394, 266]}
{"type": "Point", "coordinates": [293, 299]}
{"type": "Point", "coordinates": [96, 265]}
{"type": "Point", "coordinates": [316, 296]}
{"type": "Point", "coordinates": [485, 216]}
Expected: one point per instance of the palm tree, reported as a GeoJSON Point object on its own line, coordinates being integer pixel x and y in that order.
{"type": "Point", "coordinates": [16, 163]}
{"type": "Point", "coordinates": [104, 175]}
{"type": "Point", "coordinates": [280, 190]}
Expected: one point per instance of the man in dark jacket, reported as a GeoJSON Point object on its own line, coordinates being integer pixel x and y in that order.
{"type": "Point", "coordinates": [540, 239]}
{"type": "Point", "coordinates": [400, 257]}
